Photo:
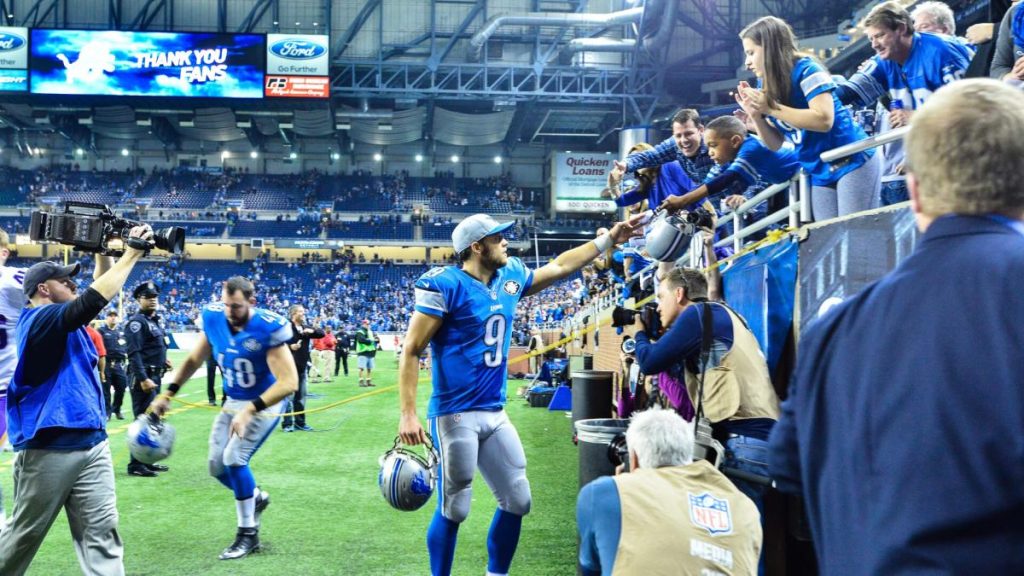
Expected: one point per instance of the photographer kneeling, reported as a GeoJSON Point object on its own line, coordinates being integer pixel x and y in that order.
{"type": "Point", "coordinates": [738, 397]}
{"type": "Point", "coordinates": [669, 515]}
{"type": "Point", "coordinates": [58, 418]}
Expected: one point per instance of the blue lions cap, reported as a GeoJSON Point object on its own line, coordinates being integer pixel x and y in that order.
{"type": "Point", "coordinates": [476, 228]}
{"type": "Point", "coordinates": [43, 271]}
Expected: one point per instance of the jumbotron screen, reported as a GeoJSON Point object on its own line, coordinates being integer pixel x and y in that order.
{"type": "Point", "coordinates": [115, 63]}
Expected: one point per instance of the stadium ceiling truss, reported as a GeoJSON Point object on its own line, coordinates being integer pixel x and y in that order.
{"type": "Point", "coordinates": [423, 67]}
{"type": "Point", "coordinates": [623, 77]}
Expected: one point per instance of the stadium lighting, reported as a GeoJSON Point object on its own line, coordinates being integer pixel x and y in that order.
{"type": "Point", "coordinates": [497, 159]}
{"type": "Point", "coordinates": [419, 157]}
{"type": "Point", "coordinates": [254, 154]}
{"type": "Point", "coordinates": [335, 156]}
{"type": "Point", "coordinates": [455, 158]}
{"type": "Point", "coordinates": [79, 151]}
{"type": "Point", "coordinates": [377, 157]}
{"type": "Point", "coordinates": [125, 152]}
{"type": "Point", "coordinates": [225, 155]}
{"type": "Point", "coordinates": [293, 155]}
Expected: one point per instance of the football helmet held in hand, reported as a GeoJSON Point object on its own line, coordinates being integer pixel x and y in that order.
{"type": "Point", "coordinates": [150, 439]}
{"type": "Point", "coordinates": [668, 236]}
{"type": "Point", "coordinates": [407, 479]}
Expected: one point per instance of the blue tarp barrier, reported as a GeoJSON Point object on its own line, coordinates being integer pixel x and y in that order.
{"type": "Point", "coordinates": [761, 286]}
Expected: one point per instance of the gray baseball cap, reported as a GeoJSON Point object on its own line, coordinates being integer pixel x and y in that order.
{"type": "Point", "coordinates": [43, 271]}
{"type": "Point", "coordinates": [474, 229]}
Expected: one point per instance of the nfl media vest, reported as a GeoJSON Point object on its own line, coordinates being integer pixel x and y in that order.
{"type": "Point", "coordinates": [684, 520]}
{"type": "Point", "coordinates": [740, 386]}
{"type": "Point", "coordinates": [70, 398]}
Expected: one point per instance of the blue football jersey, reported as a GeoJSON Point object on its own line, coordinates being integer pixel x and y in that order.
{"type": "Point", "coordinates": [470, 350]}
{"type": "Point", "coordinates": [934, 61]}
{"type": "Point", "coordinates": [809, 79]}
{"type": "Point", "coordinates": [242, 357]}
{"type": "Point", "coordinates": [756, 162]}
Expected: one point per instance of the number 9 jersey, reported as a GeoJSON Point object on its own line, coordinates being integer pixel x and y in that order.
{"type": "Point", "coordinates": [470, 348]}
{"type": "Point", "coordinates": [242, 356]}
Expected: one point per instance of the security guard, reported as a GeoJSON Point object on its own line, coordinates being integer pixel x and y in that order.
{"type": "Point", "coordinates": [117, 356]}
{"type": "Point", "coordinates": [147, 359]}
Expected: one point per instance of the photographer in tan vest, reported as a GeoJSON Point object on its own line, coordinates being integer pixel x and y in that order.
{"type": "Point", "coordinates": [669, 515]}
{"type": "Point", "coordinates": [738, 397]}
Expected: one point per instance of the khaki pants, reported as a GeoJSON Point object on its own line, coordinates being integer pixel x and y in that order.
{"type": "Point", "coordinates": [82, 483]}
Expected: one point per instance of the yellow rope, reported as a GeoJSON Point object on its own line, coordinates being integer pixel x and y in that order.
{"type": "Point", "coordinates": [307, 411]}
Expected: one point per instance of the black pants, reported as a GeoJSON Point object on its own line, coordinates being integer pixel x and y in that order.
{"type": "Point", "coordinates": [340, 358]}
{"type": "Point", "coordinates": [211, 378]}
{"type": "Point", "coordinates": [297, 402]}
{"type": "Point", "coordinates": [141, 400]}
{"type": "Point", "coordinates": [119, 380]}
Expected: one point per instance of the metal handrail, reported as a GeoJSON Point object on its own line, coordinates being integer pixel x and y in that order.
{"type": "Point", "coordinates": [865, 144]}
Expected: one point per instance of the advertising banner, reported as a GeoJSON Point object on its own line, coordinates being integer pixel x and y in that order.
{"type": "Point", "coordinates": [13, 59]}
{"type": "Point", "coordinates": [13, 48]}
{"type": "Point", "coordinates": [577, 180]}
{"type": "Point", "coordinates": [298, 55]}
{"type": "Point", "coordinates": [298, 87]}
{"type": "Point", "coordinates": [117, 63]}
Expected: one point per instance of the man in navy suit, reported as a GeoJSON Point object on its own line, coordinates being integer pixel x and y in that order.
{"type": "Point", "coordinates": [904, 426]}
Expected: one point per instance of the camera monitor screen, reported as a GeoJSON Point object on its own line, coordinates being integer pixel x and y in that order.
{"type": "Point", "coordinates": [117, 63]}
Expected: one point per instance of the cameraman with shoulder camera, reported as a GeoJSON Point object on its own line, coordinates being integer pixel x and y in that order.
{"type": "Point", "coordinates": [669, 514]}
{"type": "Point", "coordinates": [58, 419]}
{"type": "Point", "coordinates": [738, 397]}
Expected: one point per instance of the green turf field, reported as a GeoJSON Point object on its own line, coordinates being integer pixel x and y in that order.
{"type": "Point", "coordinates": [326, 515]}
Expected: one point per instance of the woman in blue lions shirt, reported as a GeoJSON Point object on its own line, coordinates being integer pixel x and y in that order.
{"type": "Point", "coordinates": [795, 100]}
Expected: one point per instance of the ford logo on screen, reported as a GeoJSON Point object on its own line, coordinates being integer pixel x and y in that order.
{"type": "Point", "coordinates": [297, 49]}
{"type": "Point", "coordinates": [10, 42]}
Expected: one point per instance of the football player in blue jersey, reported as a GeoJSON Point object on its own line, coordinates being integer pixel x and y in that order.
{"type": "Point", "coordinates": [795, 100]}
{"type": "Point", "coordinates": [465, 313]}
{"type": "Point", "coordinates": [258, 372]}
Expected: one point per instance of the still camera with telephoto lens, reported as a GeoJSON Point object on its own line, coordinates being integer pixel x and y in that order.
{"type": "Point", "coordinates": [648, 315]}
{"type": "Point", "coordinates": [90, 228]}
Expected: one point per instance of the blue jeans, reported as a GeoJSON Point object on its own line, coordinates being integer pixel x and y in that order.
{"type": "Point", "coordinates": [749, 455]}
{"type": "Point", "coordinates": [894, 192]}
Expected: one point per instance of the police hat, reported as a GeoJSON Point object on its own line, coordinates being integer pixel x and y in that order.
{"type": "Point", "coordinates": [146, 290]}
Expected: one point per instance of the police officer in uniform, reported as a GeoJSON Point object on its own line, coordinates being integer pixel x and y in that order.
{"type": "Point", "coordinates": [147, 359]}
{"type": "Point", "coordinates": [341, 350]}
{"type": "Point", "coordinates": [117, 356]}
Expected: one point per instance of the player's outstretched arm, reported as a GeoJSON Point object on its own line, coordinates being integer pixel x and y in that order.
{"type": "Point", "coordinates": [422, 328]}
{"type": "Point", "coordinates": [196, 359]}
{"type": "Point", "coordinates": [282, 366]}
{"type": "Point", "coordinates": [572, 260]}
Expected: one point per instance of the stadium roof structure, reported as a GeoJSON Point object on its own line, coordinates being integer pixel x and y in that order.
{"type": "Point", "coordinates": [459, 72]}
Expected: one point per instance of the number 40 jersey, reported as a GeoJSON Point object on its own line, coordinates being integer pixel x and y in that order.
{"type": "Point", "coordinates": [242, 356]}
{"type": "Point", "coordinates": [470, 349]}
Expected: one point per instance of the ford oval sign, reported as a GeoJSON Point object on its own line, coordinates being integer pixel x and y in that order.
{"type": "Point", "coordinates": [10, 42]}
{"type": "Point", "coordinates": [297, 49]}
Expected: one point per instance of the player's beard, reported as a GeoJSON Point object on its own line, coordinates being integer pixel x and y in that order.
{"type": "Point", "coordinates": [492, 256]}
{"type": "Point", "coordinates": [239, 322]}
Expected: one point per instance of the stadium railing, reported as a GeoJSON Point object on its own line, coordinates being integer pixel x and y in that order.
{"type": "Point", "coordinates": [798, 211]}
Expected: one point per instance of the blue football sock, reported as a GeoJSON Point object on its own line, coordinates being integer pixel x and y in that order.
{"type": "Point", "coordinates": [242, 481]}
{"type": "Point", "coordinates": [441, 544]}
{"type": "Point", "coordinates": [502, 541]}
